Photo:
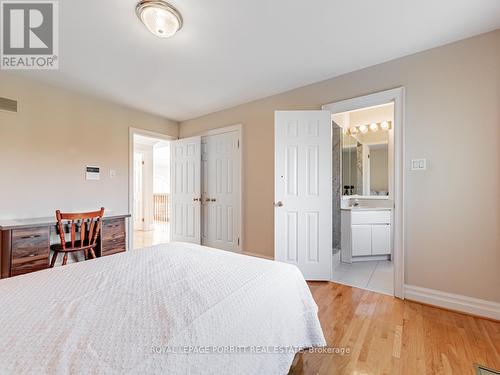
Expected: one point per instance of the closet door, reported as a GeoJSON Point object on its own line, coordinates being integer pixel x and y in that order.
{"type": "Point", "coordinates": [186, 189]}
{"type": "Point", "coordinates": [221, 191]}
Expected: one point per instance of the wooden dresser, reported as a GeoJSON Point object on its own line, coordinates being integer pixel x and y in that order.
{"type": "Point", "coordinates": [25, 244]}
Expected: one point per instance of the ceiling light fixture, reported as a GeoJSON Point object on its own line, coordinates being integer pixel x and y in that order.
{"type": "Point", "coordinates": [160, 18]}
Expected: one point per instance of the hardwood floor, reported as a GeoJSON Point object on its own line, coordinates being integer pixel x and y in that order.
{"type": "Point", "coordinates": [160, 234]}
{"type": "Point", "coordinates": [386, 335]}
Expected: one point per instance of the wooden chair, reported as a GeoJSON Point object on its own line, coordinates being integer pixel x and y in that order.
{"type": "Point", "coordinates": [86, 226]}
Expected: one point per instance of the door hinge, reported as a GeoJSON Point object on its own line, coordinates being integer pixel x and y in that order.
{"type": "Point", "coordinates": [238, 241]}
{"type": "Point", "coordinates": [143, 162]}
{"type": "Point", "coordinates": [238, 143]}
{"type": "Point", "coordinates": [142, 220]}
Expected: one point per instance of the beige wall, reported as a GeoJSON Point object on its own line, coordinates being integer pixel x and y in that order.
{"type": "Point", "coordinates": [45, 147]}
{"type": "Point", "coordinates": [453, 120]}
{"type": "Point", "coordinates": [379, 162]}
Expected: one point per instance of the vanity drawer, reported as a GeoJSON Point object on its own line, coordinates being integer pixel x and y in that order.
{"type": "Point", "coordinates": [112, 229]}
{"type": "Point", "coordinates": [371, 217]}
{"type": "Point", "coordinates": [30, 250]}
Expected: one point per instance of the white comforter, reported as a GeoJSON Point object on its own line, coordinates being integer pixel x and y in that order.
{"type": "Point", "coordinates": [127, 313]}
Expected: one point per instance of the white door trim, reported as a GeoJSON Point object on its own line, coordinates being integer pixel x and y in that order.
{"type": "Point", "coordinates": [131, 132]}
{"type": "Point", "coordinates": [226, 129]}
{"type": "Point", "coordinates": [396, 95]}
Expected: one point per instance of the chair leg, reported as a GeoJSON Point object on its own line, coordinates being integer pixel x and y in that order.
{"type": "Point", "coordinates": [54, 258]}
{"type": "Point", "coordinates": [65, 259]}
{"type": "Point", "coordinates": [92, 253]}
{"type": "Point", "coordinates": [86, 254]}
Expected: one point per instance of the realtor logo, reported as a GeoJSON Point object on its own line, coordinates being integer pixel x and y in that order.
{"type": "Point", "coordinates": [29, 35]}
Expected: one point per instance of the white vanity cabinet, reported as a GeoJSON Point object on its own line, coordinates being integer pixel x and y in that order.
{"type": "Point", "coordinates": [365, 233]}
{"type": "Point", "coordinates": [361, 240]}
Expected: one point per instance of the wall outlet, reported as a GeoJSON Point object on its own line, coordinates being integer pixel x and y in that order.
{"type": "Point", "coordinates": [418, 164]}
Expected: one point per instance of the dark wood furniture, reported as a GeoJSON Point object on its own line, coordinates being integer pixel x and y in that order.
{"type": "Point", "coordinates": [82, 226]}
{"type": "Point", "coordinates": [25, 244]}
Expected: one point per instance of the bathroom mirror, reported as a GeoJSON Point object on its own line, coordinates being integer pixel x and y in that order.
{"type": "Point", "coordinates": [365, 164]}
{"type": "Point", "coordinates": [366, 137]}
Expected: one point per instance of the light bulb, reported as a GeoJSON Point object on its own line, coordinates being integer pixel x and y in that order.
{"type": "Point", "coordinates": [373, 127]}
{"type": "Point", "coordinates": [353, 131]}
{"type": "Point", "coordinates": [384, 125]}
{"type": "Point", "coordinates": [363, 129]}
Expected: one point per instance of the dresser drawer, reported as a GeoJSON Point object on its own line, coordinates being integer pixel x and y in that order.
{"type": "Point", "coordinates": [112, 229]}
{"type": "Point", "coordinates": [30, 250]}
{"type": "Point", "coordinates": [113, 246]}
{"type": "Point", "coordinates": [33, 264]}
{"type": "Point", "coordinates": [370, 217]}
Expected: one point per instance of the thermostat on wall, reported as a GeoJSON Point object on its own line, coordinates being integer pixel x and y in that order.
{"type": "Point", "coordinates": [92, 173]}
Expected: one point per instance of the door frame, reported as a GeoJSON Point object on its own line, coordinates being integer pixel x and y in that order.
{"type": "Point", "coordinates": [239, 129]}
{"type": "Point", "coordinates": [397, 96]}
{"type": "Point", "coordinates": [147, 133]}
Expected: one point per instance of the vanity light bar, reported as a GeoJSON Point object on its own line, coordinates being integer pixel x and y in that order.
{"type": "Point", "coordinates": [373, 127]}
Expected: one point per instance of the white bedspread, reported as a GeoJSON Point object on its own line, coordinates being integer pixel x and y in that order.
{"type": "Point", "coordinates": [126, 313]}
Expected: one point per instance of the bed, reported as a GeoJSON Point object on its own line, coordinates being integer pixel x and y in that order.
{"type": "Point", "coordinates": [169, 309]}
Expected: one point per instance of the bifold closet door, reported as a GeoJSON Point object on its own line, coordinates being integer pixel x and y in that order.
{"type": "Point", "coordinates": [185, 166]}
{"type": "Point", "coordinates": [221, 191]}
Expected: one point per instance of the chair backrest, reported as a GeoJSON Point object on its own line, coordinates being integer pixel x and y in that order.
{"type": "Point", "coordinates": [87, 225]}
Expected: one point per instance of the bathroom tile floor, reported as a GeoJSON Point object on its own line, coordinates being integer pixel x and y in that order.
{"type": "Point", "coordinates": [376, 276]}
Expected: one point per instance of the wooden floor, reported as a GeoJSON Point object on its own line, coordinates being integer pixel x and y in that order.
{"type": "Point", "coordinates": [386, 335]}
{"type": "Point", "coordinates": [160, 234]}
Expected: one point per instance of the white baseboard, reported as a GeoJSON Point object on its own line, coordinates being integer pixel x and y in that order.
{"type": "Point", "coordinates": [370, 258]}
{"type": "Point", "coordinates": [457, 302]}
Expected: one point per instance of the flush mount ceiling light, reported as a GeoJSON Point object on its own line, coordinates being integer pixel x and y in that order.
{"type": "Point", "coordinates": [161, 18]}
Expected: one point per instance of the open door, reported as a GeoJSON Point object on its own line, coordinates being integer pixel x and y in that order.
{"type": "Point", "coordinates": [186, 189]}
{"type": "Point", "coordinates": [303, 191]}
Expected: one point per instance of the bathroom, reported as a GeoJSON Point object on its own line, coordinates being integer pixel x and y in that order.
{"type": "Point", "coordinates": [363, 198]}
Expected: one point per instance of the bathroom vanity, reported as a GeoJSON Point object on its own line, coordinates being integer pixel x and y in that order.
{"type": "Point", "coordinates": [366, 234]}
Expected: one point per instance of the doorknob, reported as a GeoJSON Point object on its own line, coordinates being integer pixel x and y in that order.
{"type": "Point", "coordinates": [278, 204]}
{"type": "Point", "coordinates": [213, 200]}
{"type": "Point", "coordinates": [197, 199]}
{"type": "Point", "coordinates": [207, 199]}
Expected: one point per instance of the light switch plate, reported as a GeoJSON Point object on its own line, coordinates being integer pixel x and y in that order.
{"type": "Point", "coordinates": [418, 164]}
{"type": "Point", "coordinates": [112, 173]}
{"type": "Point", "coordinates": [92, 173]}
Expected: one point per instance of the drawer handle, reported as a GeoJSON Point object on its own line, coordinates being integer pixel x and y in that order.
{"type": "Point", "coordinates": [32, 236]}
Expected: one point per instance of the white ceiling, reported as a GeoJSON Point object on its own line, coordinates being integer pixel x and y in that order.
{"type": "Point", "coordinates": [233, 51]}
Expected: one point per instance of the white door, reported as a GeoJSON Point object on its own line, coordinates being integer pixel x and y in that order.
{"type": "Point", "coordinates": [221, 191]}
{"type": "Point", "coordinates": [381, 239]}
{"type": "Point", "coordinates": [361, 240]}
{"type": "Point", "coordinates": [303, 191]}
{"type": "Point", "coordinates": [186, 189]}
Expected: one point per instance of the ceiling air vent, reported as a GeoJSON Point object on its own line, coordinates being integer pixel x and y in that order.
{"type": "Point", "coordinates": [8, 105]}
